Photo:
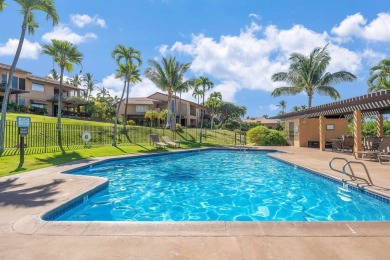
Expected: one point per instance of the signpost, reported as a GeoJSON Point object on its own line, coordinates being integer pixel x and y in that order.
{"type": "Point", "coordinates": [23, 123]}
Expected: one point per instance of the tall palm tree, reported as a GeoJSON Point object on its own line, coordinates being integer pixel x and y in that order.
{"type": "Point", "coordinates": [65, 54]}
{"type": "Point", "coordinates": [54, 75]}
{"type": "Point", "coordinates": [206, 84]}
{"type": "Point", "coordinates": [183, 88]}
{"type": "Point", "coordinates": [167, 76]}
{"type": "Point", "coordinates": [129, 56]}
{"type": "Point", "coordinates": [379, 76]}
{"type": "Point", "coordinates": [102, 94]}
{"type": "Point", "coordinates": [282, 104]}
{"type": "Point", "coordinates": [28, 7]}
{"type": "Point", "coordinates": [75, 81]}
{"type": "Point", "coordinates": [197, 93]}
{"type": "Point", "coordinates": [307, 74]}
{"type": "Point", "coordinates": [89, 84]}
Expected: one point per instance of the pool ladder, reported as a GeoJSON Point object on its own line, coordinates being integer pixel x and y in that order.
{"type": "Point", "coordinates": [351, 174]}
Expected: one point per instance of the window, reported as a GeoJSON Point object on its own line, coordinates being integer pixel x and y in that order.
{"type": "Point", "coordinates": [22, 101]}
{"type": "Point", "coordinates": [3, 78]}
{"type": "Point", "coordinates": [15, 83]}
{"type": "Point", "coordinates": [330, 127]}
{"type": "Point", "coordinates": [38, 87]}
{"type": "Point", "coordinates": [141, 108]}
{"type": "Point", "coordinates": [22, 84]}
{"type": "Point", "coordinates": [38, 105]}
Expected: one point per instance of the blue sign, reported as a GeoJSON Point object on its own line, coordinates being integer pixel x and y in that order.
{"type": "Point", "coordinates": [23, 121]}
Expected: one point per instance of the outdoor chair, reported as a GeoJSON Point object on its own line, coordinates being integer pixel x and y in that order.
{"type": "Point", "coordinates": [383, 149]}
{"type": "Point", "coordinates": [156, 141]}
{"type": "Point", "coordinates": [371, 143]}
{"type": "Point", "coordinates": [348, 143]}
{"type": "Point", "coordinates": [169, 142]}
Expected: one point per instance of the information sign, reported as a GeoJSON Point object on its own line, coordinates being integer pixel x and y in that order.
{"type": "Point", "coordinates": [23, 121]}
{"type": "Point", "coordinates": [23, 131]}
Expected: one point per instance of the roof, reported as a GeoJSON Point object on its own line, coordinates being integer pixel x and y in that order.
{"type": "Point", "coordinates": [164, 97]}
{"type": "Point", "coordinates": [369, 104]}
{"type": "Point", "coordinates": [12, 90]}
{"type": "Point", "coordinates": [262, 120]}
{"type": "Point", "coordinates": [142, 101]}
{"type": "Point", "coordinates": [8, 67]}
{"type": "Point", "coordinates": [37, 78]}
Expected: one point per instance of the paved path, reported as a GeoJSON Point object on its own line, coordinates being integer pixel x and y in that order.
{"type": "Point", "coordinates": [23, 235]}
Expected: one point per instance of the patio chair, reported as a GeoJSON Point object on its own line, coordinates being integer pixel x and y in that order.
{"type": "Point", "coordinates": [348, 143]}
{"type": "Point", "coordinates": [371, 143]}
{"type": "Point", "coordinates": [156, 141]}
{"type": "Point", "coordinates": [169, 142]}
{"type": "Point", "coordinates": [383, 149]}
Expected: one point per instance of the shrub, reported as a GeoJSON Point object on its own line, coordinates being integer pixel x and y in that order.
{"type": "Point", "coordinates": [261, 135]}
{"type": "Point", "coordinates": [179, 128]}
{"type": "Point", "coordinates": [130, 122]}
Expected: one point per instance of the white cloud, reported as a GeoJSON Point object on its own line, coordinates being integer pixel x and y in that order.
{"type": "Point", "coordinates": [373, 57]}
{"type": "Point", "coordinates": [254, 16]}
{"type": "Point", "coordinates": [81, 20]}
{"type": "Point", "coordinates": [30, 50]}
{"type": "Point", "coordinates": [356, 26]}
{"type": "Point", "coordinates": [65, 33]}
{"type": "Point", "coordinates": [115, 87]}
{"type": "Point", "coordinates": [247, 60]}
{"type": "Point", "coordinates": [273, 107]}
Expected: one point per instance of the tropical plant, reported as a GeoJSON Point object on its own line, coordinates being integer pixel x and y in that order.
{"type": "Point", "coordinates": [28, 7]}
{"type": "Point", "coordinates": [379, 76]}
{"type": "Point", "coordinates": [152, 115]}
{"type": "Point", "coordinates": [213, 104]}
{"type": "Point", "coordinates": [54, 75]}
{"type": "Point", "coordinates": [88, 84]}
{"type": "Point", "coordinates": [282, 104]}
{"type": "Point", "coordinates": [128, 57]}
{"type": "Point", "coordinates": [307, 74]}
{"type": "Point", "coordinates": [75, 81]}
{"type": "Point", "coordinates": [163, 115]}
{"type": "Point", "coordinates": [228, 111]}
{"type": "Point", "coordinates": [64, 54]}
{"type": "Point", "coordinates": [183, 88]}
{"type": "Point", "coordinates": [197, 93]}
{"type": "Point", "coordinates": [102, 94]}
{"type": "Point", "coordinates": [2, 5]}
{"type": "Point", "coordinates": [167, 76]}
{"type": "Point", "coordinates": [206, 84]}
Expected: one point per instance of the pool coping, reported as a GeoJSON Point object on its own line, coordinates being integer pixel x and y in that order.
{"type": "Point", "coordinates": [36, 225]}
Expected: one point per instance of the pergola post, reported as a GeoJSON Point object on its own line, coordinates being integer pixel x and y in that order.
{"type": "Point", "coordinates": [322, 133]}
{"type": "Point", "coordinates": [357, 131]}
{"type": "Point", "coordinates": [379, 125]}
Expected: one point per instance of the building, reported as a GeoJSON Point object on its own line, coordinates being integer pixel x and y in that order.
{"type": "Point", "coordinates": [31, 90]}
{"type": "Point", "coordinates": [270, 123]}
{"type": "Point", "coordinates": [137, 107]}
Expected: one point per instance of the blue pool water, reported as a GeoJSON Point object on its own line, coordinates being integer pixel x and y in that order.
{"type": "Point", "coordinates": [220, 185]}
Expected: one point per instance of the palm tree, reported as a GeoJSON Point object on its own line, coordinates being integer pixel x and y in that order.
{"type": "Point", "coordinates": [65, 54]}
{"type": "Point", "coordinates": [282, 104]}
{"type": "Point", "coordinates": [183, 88]}
{"type": "Point", "coordinates": [54, 75]}
{"type": "Point", "coordinates": [89, 84]}
{"type": "Point", "coordinates": [28, 7]}
{"type": "Point", "coordinates": [102, 94]}
{"type": "Point", "coordinates": [75, 81]}
{"type": "Point", "coordinates": [167, 76]}
{"type": "Point", "coordinates": [213, 103]}
{"type": "Point", "coordinates": [197, 93]}
{"type": "Point", "coordinates": [124, 55]}
{"type": "Point", "coordinates": [2, 5]}
{"type": "Point", "coordinates": [206, 85]}
{"type": "Point", "coordinates": [379, 76]}
{"type": "Point", "coordinates": [151, 115]}
{"type": "Point", "coordinates": [163, 115]}
{"type": "Point", "coordinates": [307, 74]}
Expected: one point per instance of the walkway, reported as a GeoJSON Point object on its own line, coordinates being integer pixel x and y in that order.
{"type": "Point", "coordinates": [24, 197]}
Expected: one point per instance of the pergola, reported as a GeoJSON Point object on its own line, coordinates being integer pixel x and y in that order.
{"type": "Point", "coordinates": [373, 104]}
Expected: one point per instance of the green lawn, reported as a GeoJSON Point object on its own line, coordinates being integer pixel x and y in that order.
{"type": "Point", "coordinates": [50, 119]}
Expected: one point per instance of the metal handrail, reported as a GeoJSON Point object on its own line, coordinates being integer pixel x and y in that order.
{"type": "Point", "coordinates": [356, 177]}
{"type": "Point", "coordinates": [336, 158]}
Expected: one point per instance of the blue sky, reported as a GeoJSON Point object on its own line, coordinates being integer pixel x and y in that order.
{"type": "Point", "coordinates": [238, 44]}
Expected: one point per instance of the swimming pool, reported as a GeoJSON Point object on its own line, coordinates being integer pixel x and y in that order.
{"type": "Point", "coordinates": [220, 185]}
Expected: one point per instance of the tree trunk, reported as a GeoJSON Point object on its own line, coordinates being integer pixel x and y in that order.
{"type": "Point", "coordinates": [127, 102]}
{"type": "Point", "coordinates": [59, 135]}
{"type": "Point", "coordinates": [202, 114]}
{"type": "Point", "coordinates": [117, 115]}
{"type": "Point", "coordinates": [169, 107]}
{"type": "Point", "coordinates": [9, 83]}
{"type": "Point", "coordinates": [310, 99]}
{"type": "Point", "coordinates": [180, 109]}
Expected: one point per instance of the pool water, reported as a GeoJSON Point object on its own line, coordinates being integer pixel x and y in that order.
{"type": "Point", "coordinates": [220, 185]}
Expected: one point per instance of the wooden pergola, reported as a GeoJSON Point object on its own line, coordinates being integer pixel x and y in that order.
{"type": "Point", "coordinates": [373, 104]}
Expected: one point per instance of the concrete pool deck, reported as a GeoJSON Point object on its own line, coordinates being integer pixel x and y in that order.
{"type": "Point", "coordinates": [25, 197]}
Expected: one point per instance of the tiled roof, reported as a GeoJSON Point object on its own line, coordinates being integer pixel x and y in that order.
{"type": "Point", "coordinates": [262, 120]}
{"type": "Point", "coordinates": [142, 101]}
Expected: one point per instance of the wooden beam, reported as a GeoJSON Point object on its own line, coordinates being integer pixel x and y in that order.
{"type": "Point", "coordinates": [322, 132]}
{"type": "Point", "coordinates": [357, 131]}
{"type": "Point", "coordinates": [379, 125]}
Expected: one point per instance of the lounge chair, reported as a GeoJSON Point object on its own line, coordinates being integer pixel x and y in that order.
{"type": "Point", "coordinates": [383, 149]}
{"type": "Point", "coordinates": [169, 142]}
{"type": "Point", "coordinates": [156, 141]}
{"type": "Point", "coordinates": [348, 143]}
